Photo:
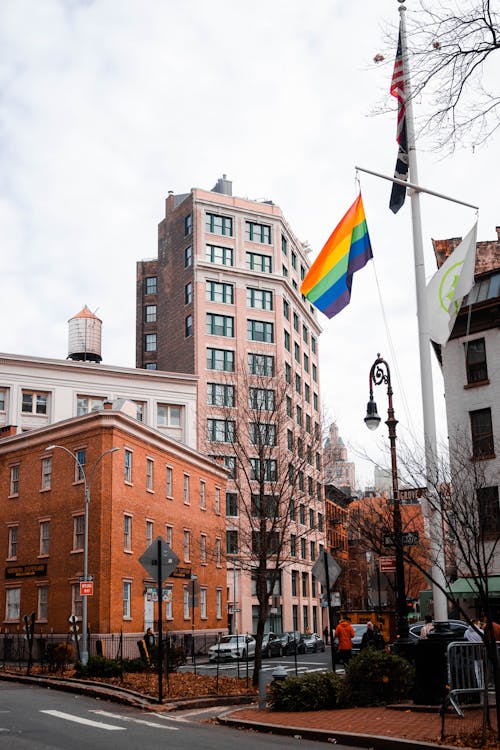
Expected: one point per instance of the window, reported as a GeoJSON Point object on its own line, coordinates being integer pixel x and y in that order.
{"type": "Point", "coordinates": [150, 314]}
{"type": "Point", "coordinates": [219, 225]}
{"type": "Point", "coordinates": [312, 550]}
{"type": "Point", "coordinates": [257, 232]}
{"type": "Point", "coordinates": [269, 469]}
{"type": "Point", "coordinates": [231, 504]}
{"type": "Point", "coordinates": [286, 309]}
{"type": "Point", "coordinates": [2, 399]}
{"type": "Point", "coordinates": [303, 552]}
{"type": "Point", "coordinates": [221, 255]}
{"type": "Point", "coordinates": [298, 383]}
{"type": "Point", "coordinates": [219, 325]}
{"type": "Point", "coordinates": [293, 545]}
{"type": "Point", "coordinates": [42, 603]}
{"type": "Point", "coordinates": [305, 334]}
{"type": "Point", "coordinates": [295, 574]}
{"type": "Point", "coordinates": [289, 440]}
{"type": "Point", "coordinates": [187, 545]}
{"type": "Point", "coordinates": [311, 518]}
{"type": "Point", "coordinates": [149, 474]}
{"type": "Point", "coordinates": [284, 243]}
{"type": "Point", "coordinates": [307, 393]}
{"type": "Point", "coordinates": [81, 460]}
{"type": "Point", "coordinates": [262, 433]}
{"type": "Point", "coordinates": [44, 538]}
{"type": "Point", "coordinates": [304, 584]}
{"type": "Point", "coordinates": [306, 363]}
{"type": "Point", "coordinates": [12, 604]}
{"type": "Point", "coordinates": [14, 480]}
{"type": "Point", "coordinates": [188, 224]}
{"type": "Point", "coordinates": [295, 321]}
{"type": "Point", "coordinates": [261, 398]}
{"type": "Point", "coordinates": [489, 511]}
{"type": "Point", "coordinates": [185, 595]}
{"type": "Point", "coordinates": [315, 401]}
{"type": "Point", "coordinates": [475, 361]}
{"type": "Point", "coordinates": [168, 415]}
{"type": "Point", "coordinates": [294, 260]}
{"type": "Point", "coordinates": [76, 601]}
{"type": "Point", "coordinates": [12, 543]}
{"type": "Point", "coordinates": [46, 473]}
{"type": "Point", "coordinates": [203, 494]}
{"type": "Point", "coordinates": [261, 364]}
{"type": "Point", "coordinates": [267, 507]}
{"type": "Point", "coordinates": [299, 415]}
{"type": "Point", "coordinates": [284, 270]}
{"type": "Point", "coordinates": [169, 596]}
{"type": "Point", "coordinates": [315, 373]}
{"type": "Point", "coordinates": [286, 340]}
{"type": "Point", "coordinates": [313, 344]}
{"type": "Point", "coordinates": [288, 406]}
{"type": "Point", "coordinates": [229, 462]}
{"type": "Point", "coordinates": [302, 514]}
{"type": "Point", "coordinates": [218, 552]}
{"type": "Point", "coordinates": [218, 604]}
{"type": "Point", "coordinates": [188, 293]}
{"type": "Point", "coordinates": [320, 522]}
{"type": "Point", "coordinates": [219, 292]}
{"type": "Point", "coordinates": [203, 549]}
{"type": "Point", "coordinates": [259, 330]}
{"type": "Point", "coordinates": [151, 366]}
{"type": "Point", "coordinates": [203, 604]}
{"type": "Point", "coordinates": [217, 500]}
{"type": "Point", "coordinates": [292, 510]}
{"type": "Point", "coordinates": [220, 394]}
{"type": "Point", "coordinates": [78, 533]}
{"type": "Point", "coordinates": [186, 494]}
{"type": "Point", "coordinates": [169, 477]}
{"type": "Point", "coordinates": [149, 533]}
{"type": "Point", "coordinates": [288, 373]}
{"type": "Point", "coordinates": [259, 298]}
{"type": "Point", "coordinates": [221, 430]}
{"type": "Point", "coordinates": [257, 262]}
{"type": "Point", "coordinates": [220, 359]}
{"type": "Point", "coordinates": [305, 617]}
{"type": "Point", "coordinates": [127, 459]}
{"type": "Point", "coordinates": [308, 423]}
{"type": "Point", "coordinates": [34, 402]}
{"type": "Point", "coordinates": [169, 534]}
{"type": "Point", "coordinates": [188, 326]}
{"type": "Point", "coordinates": [482, 433]}
{"type": "Point", "coordinates": [127, 533]}
{"type": "Point", "coordinates": [151, 285]}
{"type": "Point", "coordinates": [188, 256]}
{"type": "Point", "coordinates": [296, 352]}
{"type": "Point", "coordinates": [127, 599]}
{"type": "Point", "coordinates": [232, 542]}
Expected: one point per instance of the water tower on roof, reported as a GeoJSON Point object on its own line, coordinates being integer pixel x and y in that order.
{"type": "Point", "coordinates": [84, 340]}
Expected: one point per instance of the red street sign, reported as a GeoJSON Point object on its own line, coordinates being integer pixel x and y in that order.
{"type": "Point", "coordinates": [86, 588]}
{"type": "Point", "coordinates": [387, 564]}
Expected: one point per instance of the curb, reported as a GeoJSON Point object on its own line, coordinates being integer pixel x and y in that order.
{"type": "Point", "coordinates": [377, 742]}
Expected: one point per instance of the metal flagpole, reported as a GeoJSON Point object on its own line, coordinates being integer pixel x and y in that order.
{"type": "Point", "coordinates": [435, 530]}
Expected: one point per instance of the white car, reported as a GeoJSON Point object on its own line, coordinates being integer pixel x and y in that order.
{"type": "Point", "coordinates": [232, 647]}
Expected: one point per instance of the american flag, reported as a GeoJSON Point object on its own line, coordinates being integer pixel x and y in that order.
{"type": "Point", "coordinates": [398, 193]}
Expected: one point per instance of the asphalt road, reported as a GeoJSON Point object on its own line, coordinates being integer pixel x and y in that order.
{"type": "Point", "coordinates": [36, 718]}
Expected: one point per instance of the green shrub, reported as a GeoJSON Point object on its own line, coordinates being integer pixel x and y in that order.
{"type": "Point", "coordinates": [134, 665]}
{"type": "Point", "coordinates": [309, 692]}
{"type": "Point", "coordinates": [99, 666]}
{"type": "Point", "coordinates": [374, 678]}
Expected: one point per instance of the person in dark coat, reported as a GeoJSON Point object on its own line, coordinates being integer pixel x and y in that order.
{"type": "Point", "coordinates": [325, 633]}
{"type": "Point", "coordinates": [149, 639]}
{"type": "Point", "coordinates": [372, 638]}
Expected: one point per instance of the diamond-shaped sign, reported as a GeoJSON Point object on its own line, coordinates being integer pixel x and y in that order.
{"type": "Point", "coordinates": [319, 570]}
{"type": "Point", "coordinates": [159, 552]}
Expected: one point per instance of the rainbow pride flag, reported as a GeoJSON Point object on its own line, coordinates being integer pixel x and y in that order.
{"type": "Point", "coordinates": [329, 280]}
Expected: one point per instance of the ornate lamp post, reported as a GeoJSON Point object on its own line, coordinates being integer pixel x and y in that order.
{"type": "Point", "coordinates": [87, 482]}
{"type": "Point", "coordinates": [381, 374]}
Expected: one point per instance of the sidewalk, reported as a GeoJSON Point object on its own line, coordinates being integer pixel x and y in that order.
{"type": "Point", "coordinates": [381, 728]}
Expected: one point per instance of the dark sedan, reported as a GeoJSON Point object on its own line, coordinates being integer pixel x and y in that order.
{"type": "Point", "coordinates": [313, 643]}
{"type": "Point", "coordinates": [271, 645]}
{"type": "Point", "coordinates": [292, 642]}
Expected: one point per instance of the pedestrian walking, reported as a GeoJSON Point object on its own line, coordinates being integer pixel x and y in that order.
{"type": "Point", "coordinates": [326, 634]}
{"type": "Point", "coordinates": [344, 632]}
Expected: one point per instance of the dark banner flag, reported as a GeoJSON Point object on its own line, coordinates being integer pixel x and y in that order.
{"type": "Point", "coordinates": [398, 193]}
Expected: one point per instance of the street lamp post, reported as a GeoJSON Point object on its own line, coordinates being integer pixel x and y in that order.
{"type": "Point", "coordinates": [87, 483]}
{"type": "Point", "coordinates": [381, 374]}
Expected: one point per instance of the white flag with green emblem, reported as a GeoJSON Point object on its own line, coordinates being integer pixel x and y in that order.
{"type": "Point", "coordinates": [447, 288]}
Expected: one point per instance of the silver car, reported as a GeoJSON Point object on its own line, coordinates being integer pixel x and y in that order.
{"type": "Point", "coordinates": [232, 647]}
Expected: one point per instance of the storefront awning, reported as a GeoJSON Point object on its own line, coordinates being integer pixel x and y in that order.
{"type": "Point", "coordinates": [467, 588]}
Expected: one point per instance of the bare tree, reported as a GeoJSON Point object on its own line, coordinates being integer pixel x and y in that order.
{"type": "Point", "coordinates": [275, 448]}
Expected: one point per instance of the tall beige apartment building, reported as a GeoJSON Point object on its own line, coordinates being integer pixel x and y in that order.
{"type": "Point", "coordinates": [222, 301]}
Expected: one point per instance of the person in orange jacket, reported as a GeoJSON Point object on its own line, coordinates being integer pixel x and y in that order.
{"type": "Point", "coordinates": [344, 632]}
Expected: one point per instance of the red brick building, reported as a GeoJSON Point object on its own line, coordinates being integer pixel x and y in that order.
{"type": "Point", "coordinates": [152, 485]}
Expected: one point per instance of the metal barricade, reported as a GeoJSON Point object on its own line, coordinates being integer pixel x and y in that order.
{"type": "Point", "coordinates": [468, 673]}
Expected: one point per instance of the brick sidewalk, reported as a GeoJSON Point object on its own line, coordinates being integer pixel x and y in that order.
{"type": "Point", "coordinates": [423, 726]}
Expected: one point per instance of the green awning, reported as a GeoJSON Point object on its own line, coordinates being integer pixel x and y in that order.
{"type": "Point", "coordinates": [466, 587]}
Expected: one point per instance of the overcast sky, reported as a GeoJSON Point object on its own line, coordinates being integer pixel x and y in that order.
{"type": "Point", "coordinates": [109, 104]}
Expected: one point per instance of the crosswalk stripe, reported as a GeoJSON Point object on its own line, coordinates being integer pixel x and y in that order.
{"type": "Point", "coordinates": [81, 720]}
{"type": "Point", "coordinates": [120, 717]}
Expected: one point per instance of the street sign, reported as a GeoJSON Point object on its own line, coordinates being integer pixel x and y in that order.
{"type": "Point", "coordinates": [149, 559]}
{"type": "Point", "coordinates": [319, 572]}
{"type": "Point", "coordinates": [387, 564]}
{"type": "Point", "coordinates": [412, 495]}
{"type": "Point", "coordinates": [86, 588]}
{"type": "Point", "coordinates": [408, 539]}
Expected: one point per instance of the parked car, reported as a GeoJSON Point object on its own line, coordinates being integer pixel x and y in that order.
{"type": "Point", "coordinates": [313, 643]}
{"type": "Point", "coordinates": [458, 628]}
{"type": "Point", "coordinates": [232, 647]}
{"type": "Point", "coordinates": [292, 642]}
{"type": "Point", "coordinates": [271, 645]}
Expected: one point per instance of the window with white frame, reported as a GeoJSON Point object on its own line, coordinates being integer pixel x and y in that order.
{"type": "Point", "coordinates": [220, 255]}
{"type": "Point", "coordinates": [42, 603]}
{"type": "Point", "coordinates": [185, 594]}
{"type": "Point", "coordinates": [12, 604]}
{"type": "Point", "coordinates": [127, 533]}
{"type": "Point", "coordinates": [169, 479]}
{"type": "Point", "coordinates": [218, 291]}
{"type": "Point", "coordinates": [151, 285]}
{"type": "Point", "coordinates": [203, 549]}
{"type": "Point", "coordinates": [127, 600]}
{"type": "Point", "coordinates": [12, 543]}
{"type": "Point", "coordinates": [169, 534]}
{"type": "Point", "coordinates": [186, 492]}
{"type": "Point", "coordinates": [258, 262]}
{"type": "Point", "coordinates": [169, 597]}
{"type": "Point", "coordinates": [34, 402]}
{"type": "Point", "coordinates": [127, 458]}
{"type": "Point", "coordinates": [257, 232]}
{"type": "Point", "coordinates": [87, 404]}
{"type": "Point", "coordinates": [203, 604]}
{"type": "Point", "coordinates": [149, 474]}
{"type": "Point", "coordinates": [260, 299]}
{"type": "Point", "coordinates": [168, 415]}
{"type": "Point", "coordinates": [14, 480]}
{"type": "Point", "coordinates": [76, 601]}
{"type": "Point", "coordinates": [216, 224]}
{"type": "Point", "coordinates": [203, 494]}
{"type": "Point", "coordinates": [150, 342]}
{"type": "Point", "coordinates": [221, 360]}
{"type": "Point", "coordinates": [44, 538]}
{"type": "Point", "coordinates": [78, 532]}
{"type": "Point", "coordinates": [218, 552]}
{"type": "Point", "coordinates": [217, 500]}
{"type": "Point", "coordinates": [149, 533]}
{"type": "Point", "coordinates": [219, 325]}
{"type": "Point", "coordinates": [187, 545]}
{"type": "Point", "coordinates": [150, 312]}
{"type": "Point", "coordinates": [46, 473]}
{"type": "Point", "coordinates": [3, 398]}
{"type": "Point", "coordinates": [218, 604]}
{"type": "Point", "coordinates": [260, 330]}
{"type": "Point", "coordinates": [81, 456]}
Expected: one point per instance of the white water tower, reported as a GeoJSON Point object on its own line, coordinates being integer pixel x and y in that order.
{"type": "Point", "coordinates": [84, 340]}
